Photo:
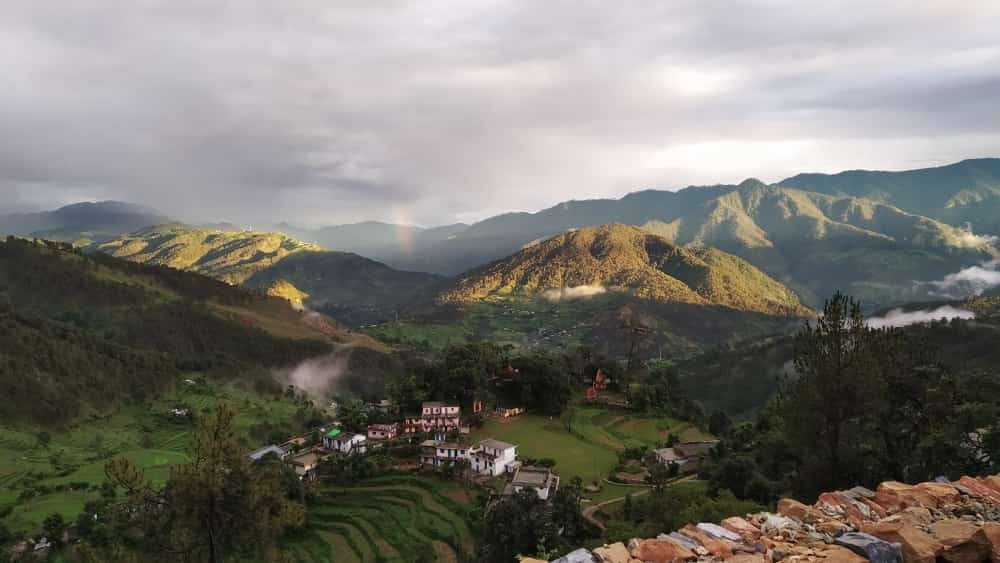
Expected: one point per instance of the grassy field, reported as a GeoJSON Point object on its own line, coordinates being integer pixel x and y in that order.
{"type": "Point", "coordinates": [68, 471]}
{"type": "Point", "coordinates": [391, 519]}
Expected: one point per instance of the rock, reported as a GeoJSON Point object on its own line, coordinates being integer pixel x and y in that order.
{"type": "Point", "coordinates": [962, 541]}
{"type": "Point", "coordinates": [718, 548]}
{"type": "Point", "coordinates": [741, 527]}
{"type": "Point", "coordinates": [718, 532]}
{"type": "Point", "coordinates": [748, 558]}
{"type": "Point", "coordinates": [914, 516]}
{"type": "Point", "coordinates": [685, 541]}
{"type": "Point", "coordinates": [832, 527]}
{"type": "Point", "coordinates": [837, 554]}
{"type": "Point", "coordinates": [894, 496]}
{"type": "Point", "coordinates": [836, 503]}
{"type": "Point", "coordinates": [774, 523]}
{"type": "Point", "coordinates": [943, 493]}
{"type": "Point", "coordinates": [533, 560]}
{"type": "Point", "coordinates": [794, 509]}
{"type": "Point", "coordinates": [918, 546]}
{"type": "Point", "coordinates": [991, 532]}
{"type": "Point", "coordinates": [992, 481]}
{"type": "Point", "coordinates": [978, 489]}
{"type": "Point", "coordinates": [662, 551]}
{"type": "Point", "coordinates": [614, 553]}
{"type": "Point", "coordinates": [871, 548]}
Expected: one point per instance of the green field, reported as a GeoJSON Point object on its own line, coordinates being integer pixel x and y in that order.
{"type": "Point", "coordinates": [391, 519]}
{"type": "Point", "coordinates": [70, 469]}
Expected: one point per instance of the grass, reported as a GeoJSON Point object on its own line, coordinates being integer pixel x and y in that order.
{"type": "Point", "coordinates": [71, 467]}
{"type": "Point", "coordinates": [400, 518]}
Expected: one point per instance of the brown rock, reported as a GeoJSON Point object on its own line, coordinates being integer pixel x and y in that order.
{"type": "Point", "coordinates": [746, 530]}
{"type": "Point", "coordinates": [748, 558]}
{"type": "Point", "coordinates": [614, 553]}
{"type": "Point", "coordinates": [837, 554]}
{"type": "Point", "coordinates": [533, 560]}
{"type": "Point", "coordinates": [794, 509]}
{"type": "Point", "coordinates": [832, 527]}
{"type": "Point", "coordinates": [895, 496]}
{"type": "Point", "coordinates": [943, 493]}
{"type": "Point", "coordinates": [991, 532]}
{"type": "Point", "coordinates": [662, 551]}
{"type": "Point", "coordinates": [841, 504]}
{"type": "Point", "coordinates": [979, 489]}
{"type": "Point", "coordinates": [918, 546]}
{"type": "Point", "coordinates": [993, 482]}
{"type": "Point", "coordinates": [718, 548]}
{"type": "Point", "coordinates": [915, 516]}
{"type": "Point", "coordinates": [962, 541]}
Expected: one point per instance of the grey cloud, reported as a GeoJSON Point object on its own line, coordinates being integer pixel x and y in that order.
{"type": "Point", "coordinates": [427, 112]}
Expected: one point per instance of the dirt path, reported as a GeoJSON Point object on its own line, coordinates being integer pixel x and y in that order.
{"type": "Point", "coordinates": [589, 512]}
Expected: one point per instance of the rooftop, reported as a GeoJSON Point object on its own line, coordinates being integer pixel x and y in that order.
{"type": "Point", "coordinates": [333, 433]}
{"type": "Point", "coordinates": [259, 453]}
{"type": "Point", "coordinates": [531, 476]}
{"type": "Point", "coordinates": [495, 444]}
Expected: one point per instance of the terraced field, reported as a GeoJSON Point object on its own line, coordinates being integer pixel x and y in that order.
{"type": "Point", "coordinates": [393, 519]}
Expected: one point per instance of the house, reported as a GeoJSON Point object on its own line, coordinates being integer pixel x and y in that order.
{"type": "Point", "coordinates": [260, 453]}
{"type": "Point", "coordinates": [293, 444]}
{"type": "Point", "coordinates": [540, 479]}
{"type": "Point", "coordinates": [507, 412]}
{"type": "Point", "coordinates": [304, 463]}
{"type": "Point", "coordinates": [413, 425]}
{"type": "Point", "coordinates": [440, 417]}
{"type": "Point", "coordinates": [344, 442]}
{"type": "Point", "coordinates": [686, 456]}
{"type": "Point", "coordinates": [382, 431]}
{"type": "Point", "coordinates": [493, 457]}
{"type": "Point", "coordinates": [438, 453]}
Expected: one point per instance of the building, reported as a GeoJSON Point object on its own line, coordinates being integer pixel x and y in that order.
{"type": "Point", "coordinates": [293, 444]}
{"type": "Point", "coordinates": [382, 431]}
{"type": "Point", "coordinates": [345, 442]}
{"type": "Point", "coordinates": [493, 457]}
{"type": "Point", "coordinates": [440, 417]}
{"type": "Point", "coordinates": [304, 463]}
{"type": "Point", "coordinates": [260, 453]}
{"type": "Point", "coordinates": [539, 479]}
{"type": "Point", "coordinates": [686, 456]}
{"type": "Point", "coordinates": [413, 425]}
{"type": "Point", "coordinates": [438, 453]}
{"type": "Point", "coordinates": [507, 412]}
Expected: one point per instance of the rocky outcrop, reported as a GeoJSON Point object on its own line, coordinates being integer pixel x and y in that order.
{"type": "Point", "coordinates": [952, 522]}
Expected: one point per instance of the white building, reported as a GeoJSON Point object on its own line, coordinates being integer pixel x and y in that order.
{"type": "Point", "coordinates": [437, 453]}
{"type": "Point", "coordinates": [440, 417]}
{"type": "Point", "coordinates": [493, 457]}
{"type": "Point", "coordinates": [345, 442]}
{"type": "Point", "coordinates": [542, 480]}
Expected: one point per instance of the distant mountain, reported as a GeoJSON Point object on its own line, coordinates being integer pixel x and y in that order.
{"type": "Point", "coordinates": [354, 289]}
{"type": "Point", "coordinates": [625, 258]}
{"type": "Point", "coordinates": [964, 192]}
{"type": "Point", "coordinates": [82, 223]}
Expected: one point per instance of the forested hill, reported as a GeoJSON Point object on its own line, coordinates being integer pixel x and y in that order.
{"type": "Point", "coordinates": [85, 333]}
{"type": "Point", "coordinates": [625, 258]}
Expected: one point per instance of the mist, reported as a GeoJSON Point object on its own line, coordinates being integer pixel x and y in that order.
{"type": "Point", "coordinates": [899, 317]}
{"type": "Point", "coordinates": [571, 293]}
{"type": "Point", "coordinates": [973, 280]}
{"type": "Point", "coordinates": [318, 377]}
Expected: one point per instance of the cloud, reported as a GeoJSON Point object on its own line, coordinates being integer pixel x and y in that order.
{"type": "Point", "coordinates": [572, 293]}
{"type": "Point", "coordinates": [330, 111]}
{"type": "Point", "coordinates": [973, 280]}
{"type": "Point", "coordinates": [898, 317]}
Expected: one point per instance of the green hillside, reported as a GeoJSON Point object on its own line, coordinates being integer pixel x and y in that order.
{"type": "Point", "coordinates": [353, 289]}
{"type": "Point", "coordinates": [83, 334]}
{"type": "Point", "coordinates": [624, 258]}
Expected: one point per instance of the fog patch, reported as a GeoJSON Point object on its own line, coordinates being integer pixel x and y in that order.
{"type": "Point", "coordinates": [318, 377]}
{"type": "Point", "coordinates": [571, 293]}
{"type": "Point", "coordinates": [899, 317]}
{"type": "Point", "coordinates": [973, 280]}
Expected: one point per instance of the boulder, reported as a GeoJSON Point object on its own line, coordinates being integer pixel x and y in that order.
{"type": "Point", "coordinates": [894, 496]}
{"type": "Point", "coordinates": [871, 548]}
{"type": "Point", "coordinates": [832, 527]}
{"type": "Point", "coordinates": [742, 528]}
{"type": "Point", "coordinates": [718, 532]}
{"type": "Point", "coordinates": [991, 533]}
{"type": "Point", "coordinates": [685, 541]}
{"type": "Point", "coordinates": [795, 510]}
{"type": "Point", "coordinates": [943, 493]}
{"type": "Point", "coordinates": [718, 548]}
{"type": "Point", "coordinates": [579, 556]}
{"type": "Point", "coordinates": [662, 551]}
{"type": "Point", "coordinates": [614, 553]}
{"type": "Point", "coordinates": [748, 558]}
{"type": "Point", "coordinates": [852, 510]}
{"type": "Point", "coordinates": [962, 540]}
{"type": "Point", "coordinates": [918, 546]}
{"type": "Point", "coordinates": [914, 516]}
{"type": "Point", "coordinates": [978, 489]}
{"type": "Point", "coordinates": [774, 523]}
{"type": "Point", "coordinates": [837, 554]}
{"type": "Point", "coordinates": [992, 481]}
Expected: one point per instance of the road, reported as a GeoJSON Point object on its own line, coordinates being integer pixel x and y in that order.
{"type": "Point", "coordinates": [589, 512]}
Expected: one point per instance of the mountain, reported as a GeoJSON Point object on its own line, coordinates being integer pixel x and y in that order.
{"type": "Point", "coordinates": [82, 223]}
{"type": "Point", "coordinates": [959, 193]}
{"type": "Point", "coordinates": [82, 333]}
{"type": "Point", "coordinates": [624, 258]}
{"type": "Point", "coordinates": [353, 288]}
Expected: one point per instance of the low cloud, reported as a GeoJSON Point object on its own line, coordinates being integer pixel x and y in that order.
{"type": "Point", "coordinates": [318, 377]}
{"type": "Point", "coordinates": [899, 317]}
{"type": "Point", "coordinates": [973, 280]}
{"type": "Point", "coordinates": [571, 293]}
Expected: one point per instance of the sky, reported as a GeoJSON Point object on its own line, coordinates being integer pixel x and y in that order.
{"type": "Point", "coordinates": [429, 112]}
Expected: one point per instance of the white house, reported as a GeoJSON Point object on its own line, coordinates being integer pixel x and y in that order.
{"type": "Point", "coordinates": [345, 442]}
{"type": "Point", "coordinates": [539, 479]}
{"type": "Point", "coordinates": [493, 457]}
{"type": "Point", "coordinates": [437, 453]}
{"type": "Point", "coordinates": [260, 453]}
{"type": "Point", "coordinates": [440, 417]}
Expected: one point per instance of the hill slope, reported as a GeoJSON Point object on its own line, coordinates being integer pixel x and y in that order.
{"type": "Point", "coordinates": [620, 257]}
{"type": "Point", "coordinates": [82, 223]}
{"type": "Point", "coordinates": [355, 289]}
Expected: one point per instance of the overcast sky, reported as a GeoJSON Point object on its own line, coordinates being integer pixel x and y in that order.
{"type": "Point", "coordinates": [322, 111]}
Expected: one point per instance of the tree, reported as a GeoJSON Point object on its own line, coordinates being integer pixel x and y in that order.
{"type": "Point", "coordinates": [215, 506]}
{"type": "Point", "coordinates": [54, 526]}
{"type": "Point", "coordinates": [43, 438]}
{"type": "Point", "coordinates": [719, 423]}
{"type": "Point", "coordinates": [519, 524]}
{"type": "Point", "coordinates": [5, 535]}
